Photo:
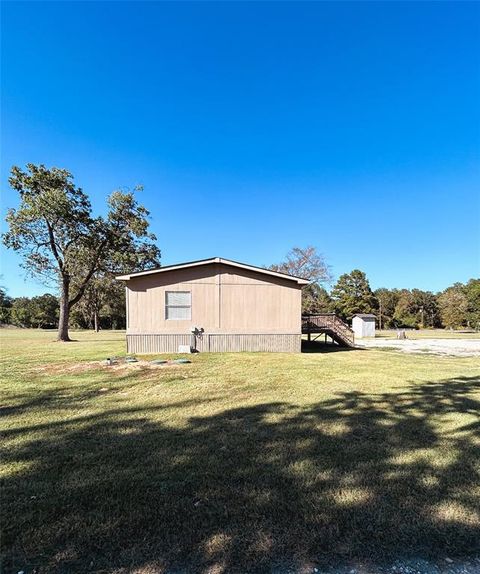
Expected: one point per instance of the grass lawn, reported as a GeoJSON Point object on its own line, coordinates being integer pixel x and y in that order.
{"type": "Point", "coordinates": [236, 462]}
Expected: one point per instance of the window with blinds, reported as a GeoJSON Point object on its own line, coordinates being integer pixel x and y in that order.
{"type": "Point", "coordinates": [178, 305]}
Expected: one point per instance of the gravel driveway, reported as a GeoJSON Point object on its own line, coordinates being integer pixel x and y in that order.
{"type": "Point", "coordinates": [454, 347]}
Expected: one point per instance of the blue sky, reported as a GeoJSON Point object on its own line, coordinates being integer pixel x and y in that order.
{"type": "Point", "coordinates": [255, 127]}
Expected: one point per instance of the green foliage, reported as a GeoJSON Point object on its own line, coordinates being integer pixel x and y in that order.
{"type": "Point", "coordinates": [426, 308]}
{"type": "Point", "coordinates": [405, 311]}
{"type": "Point", "coordinates": [41, 311]}
{"type": "Point", "coordinates": [44, 311]}
{"type": "Point", "coordinates": [458, 306]}
{"type": "Point", "coordinates": [60, 240]}
{"type": "Point", "coordinates": [352, 294]}
{"type": "Point", "coordinates": [6, 303]}
{"type": "Point", "coordinates": [52, 222]}
{"type": "Point", "coordinates": [21, 312]}
{"type": "Point", "coordinates": [416, 309]}
{"type": "Point", "coordinates": [315, 299]}
{"type": "Point", "coordinates": [103, 305]}
{"type": "Point", "coordinates": [387, 302]}
{"type": "Point", "coordinates": [472, 293]}
{"type": "Point", "coordinates": [454, 306]}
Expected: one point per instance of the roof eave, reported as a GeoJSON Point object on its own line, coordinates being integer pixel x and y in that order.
{"type": "Point", "coordinates": [298, 280]}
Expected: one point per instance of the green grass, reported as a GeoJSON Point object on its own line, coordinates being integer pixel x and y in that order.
{"type": "Point", "coordinates": [236, 462]}
{"type": "Point", "coordinates": [429, 334]}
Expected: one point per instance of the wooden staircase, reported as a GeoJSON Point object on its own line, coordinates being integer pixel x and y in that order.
{"type": "Point", "coordinates": [328, 324]}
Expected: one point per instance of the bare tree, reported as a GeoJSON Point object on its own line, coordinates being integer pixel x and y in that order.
{"type": "Point", "coordinates": [307, 263]}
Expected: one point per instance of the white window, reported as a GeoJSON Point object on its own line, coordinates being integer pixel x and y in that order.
{"type": "Point", "coordinates": [178, 305]}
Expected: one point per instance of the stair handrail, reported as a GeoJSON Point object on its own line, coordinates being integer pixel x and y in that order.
{"type": "Point", "coordinates": [333, 321]}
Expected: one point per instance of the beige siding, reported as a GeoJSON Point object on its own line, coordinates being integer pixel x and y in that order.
{"type": "Point", "coordinates": [225, 301]}
{"type": "Point", "coordinates": [266, 308]}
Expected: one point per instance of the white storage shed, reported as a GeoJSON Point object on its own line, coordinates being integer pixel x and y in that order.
{"type": "Point", "coordinates": [363, 325]}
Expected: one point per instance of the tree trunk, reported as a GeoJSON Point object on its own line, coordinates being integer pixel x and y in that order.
{"type": "Point", "coordinates": [95, 316]}
{"type": "Point", "coordinates": [64, 311]}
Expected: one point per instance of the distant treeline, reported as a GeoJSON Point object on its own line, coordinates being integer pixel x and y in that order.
{"type": "Point", "coordinates": [456, 307]}
{"type": "Point", "coordinates": [96, 311]}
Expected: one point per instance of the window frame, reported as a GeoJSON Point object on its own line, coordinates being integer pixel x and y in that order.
{"type": "Point", "coordinates": [167, 306]}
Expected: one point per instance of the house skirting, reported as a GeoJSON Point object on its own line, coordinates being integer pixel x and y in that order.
{"type": "Point", "coordinates": [215, 343]}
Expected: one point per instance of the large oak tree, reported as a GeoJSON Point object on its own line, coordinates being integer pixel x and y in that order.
{"type": "Point", "coordinates": [54, 230]}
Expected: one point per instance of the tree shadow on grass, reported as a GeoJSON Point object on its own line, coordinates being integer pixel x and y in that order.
{"type": "Point", "coordinates": [369, 477]}
{"type": "Point", "coordinates": [319, 346]}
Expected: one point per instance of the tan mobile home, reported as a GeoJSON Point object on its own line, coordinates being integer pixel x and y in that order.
{"type": "Point", "coordinates": [213, 305]}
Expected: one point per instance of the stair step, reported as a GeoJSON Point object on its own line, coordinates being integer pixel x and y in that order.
{"type": "Point", "coordinates": [331, 325]}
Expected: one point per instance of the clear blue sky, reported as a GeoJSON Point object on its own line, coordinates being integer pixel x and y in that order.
{"type": "Point", "coordinates": [255, 127]}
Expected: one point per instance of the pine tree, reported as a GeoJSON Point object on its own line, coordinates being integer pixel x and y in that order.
{"type": "Point", "coordinates": [352, 294]}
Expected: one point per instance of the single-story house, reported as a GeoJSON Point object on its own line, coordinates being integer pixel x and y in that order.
{"type": "Point", "coordinates": [213, 305]}
{"type": "Point", "coordinates": [363, 325]}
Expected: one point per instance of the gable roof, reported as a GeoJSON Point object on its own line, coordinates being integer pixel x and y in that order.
{"type": "Point", "coordinates": [364, 315]}
{"type": "Point", "coordinates": [229, 262]}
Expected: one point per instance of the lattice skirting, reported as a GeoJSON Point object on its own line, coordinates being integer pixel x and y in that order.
{"type": "Point", "coordinates": [215, 343]}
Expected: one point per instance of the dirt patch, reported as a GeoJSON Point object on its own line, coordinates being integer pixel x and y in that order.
{"type": "Point", "coordinates": [121, 365]}
{"type": "Point", "coordinates": [118, 366]}
{"type": "Point", "coordinates": [452, 347]}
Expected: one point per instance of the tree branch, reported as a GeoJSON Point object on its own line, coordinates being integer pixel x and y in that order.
{"type": "Point", "coordinates": [83, 286]}
{"type": "Point", "coordinates": [88, 276]}
{"type": "Point", "coordinates": [53, 246]}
